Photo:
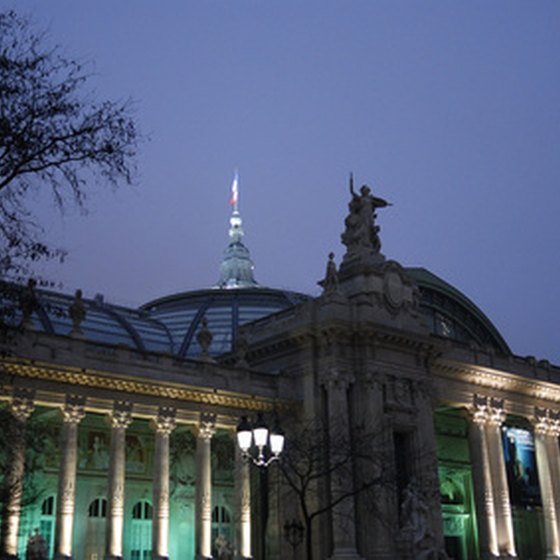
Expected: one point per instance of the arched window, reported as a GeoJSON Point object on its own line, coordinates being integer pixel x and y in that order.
{"type": "Point", "coordinates": [95, 531]}
{"type": "Point", "coordinates": [222, 530]}
{"type": "Point", "coordinates": [47, 521]}
{"type": "Point", "coordinates": [142, 510]}
{"type": "Point", "coordinates": [47, 508]}
{"type": "Point", "coordinates": [98, 508]}
{"type": "Point", "coordinates": [220, 515]}
{"type": "Point", "coordinates": [141, 531]}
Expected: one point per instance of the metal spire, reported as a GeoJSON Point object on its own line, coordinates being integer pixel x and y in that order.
{"type": "Point", "coordinates": [236, 270]}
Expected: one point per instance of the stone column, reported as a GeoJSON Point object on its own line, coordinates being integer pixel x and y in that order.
{"type": "Point", "coordinates": [490, 413]}
{"type": "Point", "coordinates": [482, 481]}
{"type": "Point", "coordinates": [20, 408]}
{"type": "Point", "coordinates": [343, 514]}
{"type": "Point", "coordinates": [425, 469]}
{"type": "Point", "coordinates": [553, 453]}
{"type": "Point", "coordinates": [206, 429]}
{"type": "Point", "coordinates": [243, 503]}
{"type": "Point", "coordinates": [546, 448]}
{"type": "Point", "coordinates": [375, 508]}
{"type": "Point", "coordinates": [163, 425]}
{"type": "Point", "coordinates": [72, 413]}
{"type": "Point", "coordinates": [504, 518]}
{"type": "Point", "coordinates": [120, 420]}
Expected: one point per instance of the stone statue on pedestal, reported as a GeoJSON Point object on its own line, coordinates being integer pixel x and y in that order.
{"type": "Point", "coordinates": [415, 533]}
{"type": "Point", "coordinates": [361, 234]}
{"type": "Point", "coordinates": [77, 312]}
{"type": "Point", "coordinates": [224, 549]}
{"type": "Point", "coordinates": [361, 230]}
{"type": "Point", "coordinates": [330, 282]}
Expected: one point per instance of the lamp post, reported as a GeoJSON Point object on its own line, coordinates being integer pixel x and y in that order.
{"type": "Point", "coordinates": [268, 443]}
{"type": "Point", "coordinates": [268, 446]}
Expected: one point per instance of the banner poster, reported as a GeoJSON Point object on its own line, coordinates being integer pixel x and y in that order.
{"type": "Point", "coordinates": [521, 466]}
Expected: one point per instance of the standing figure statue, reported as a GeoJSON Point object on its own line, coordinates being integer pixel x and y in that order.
{"type": "Point", "coordinates": [37, 548]}
{"type": "Point", "coordinates": [224, 550]}
{"type": "Point", "coordinates": [415, 525]}
{"type": "Point", "coordinates": [414, 513]}
{"type": "Point", "coordinates": [361, 231]}
{"type": "Point", "coordinates": [330, 282]}
{"type": "Point", "coordinates": [77, 313]}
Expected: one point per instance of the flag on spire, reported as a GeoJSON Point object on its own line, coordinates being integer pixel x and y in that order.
{"type": "Point", "coordinates": [235, 191]}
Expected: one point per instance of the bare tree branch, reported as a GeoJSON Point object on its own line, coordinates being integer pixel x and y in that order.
{"type": "Point", "coordinates": [315, 456]}
{"type": "Point", "coordinates": [52, 137]}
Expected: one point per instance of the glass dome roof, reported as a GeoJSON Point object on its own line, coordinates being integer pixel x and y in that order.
{"type": "Point", "coordinates": [171, 324]}
{"type": "Point", "coordinates": [451, 314]}
{"type": "Point", "coordinates": [167, 325]}
{"type": "Point", "coordinates": [235, 300]}
{"type": "Point", "coordinates": [224, 309]}
{"type": "Point", "coordinates": [104, 322]}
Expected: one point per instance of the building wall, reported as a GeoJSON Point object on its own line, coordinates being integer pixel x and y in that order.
{"type": "Point", "coordinates": [430, 409]}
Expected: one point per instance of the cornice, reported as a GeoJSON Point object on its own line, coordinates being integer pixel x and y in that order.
{"type": "Point", "coordinates": [331, 331]}
{"type": "Point", "coordinates": [493, 379]}
{"type": "Point", "coordinates": [75, 377]}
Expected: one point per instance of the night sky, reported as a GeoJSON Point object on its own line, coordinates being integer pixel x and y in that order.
{"type": "Point", "coordinates": [450, 110]}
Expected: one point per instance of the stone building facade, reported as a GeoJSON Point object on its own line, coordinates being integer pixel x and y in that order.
{"type": "Point", "coordinates": [119, 424]}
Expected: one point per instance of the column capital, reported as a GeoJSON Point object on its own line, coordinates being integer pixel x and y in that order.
{"type": "Point", "coordinates": [165, 421]}
{"type": "Point", "coordinates": [373, 379]}
{"type": "Point", "coordinates": [73, 410]}
{"type": "Point", "coordinates": [334, 378]}
{"type": "Point", "coordinates": [546, 421]}
{"type": "Point", "coordinates": [207, 425]}
{"type": "Point", "coordinates": [22, 405]}
{"type": "Point", "coordinates": [488, 410]}
{"type": "Point", "coordinates": [121, 417]}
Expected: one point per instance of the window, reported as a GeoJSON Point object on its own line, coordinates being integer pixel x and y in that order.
{"type": "Point", "coordinates": [48, 506]}
{"type": "Point", "coordinates": [142, 510]}
{"type": "Point", "coordinates": [220, 515]}
{"type": "Point", "coordinates": [98, 508]}
{"type": "Point", "coordinates": [47, 521]}
{"type": "Point", "coordinates": [222, 531]}
{"type": "Point", "coordinates": [95, 529]}
{"type": "Point", "coordinates": [403, 462]}
{"type": "Point", "coordinates": [141, 531]}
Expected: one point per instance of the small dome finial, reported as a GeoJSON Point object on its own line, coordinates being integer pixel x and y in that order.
{"type": "Point", "coordinates": [236, 270]}
{"type": "Point", "coordinates": [204, 339]}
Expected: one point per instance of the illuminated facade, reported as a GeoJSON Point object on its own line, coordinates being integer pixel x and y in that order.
{"type": "Point", "coordinates": [130, 418]}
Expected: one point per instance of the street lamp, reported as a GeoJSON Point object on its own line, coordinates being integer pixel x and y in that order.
{"type": "Point", "coordinates": [261, 436]}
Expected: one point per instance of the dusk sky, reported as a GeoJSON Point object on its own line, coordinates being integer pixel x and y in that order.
{"type": "Point", "coordinates": [450, 110]}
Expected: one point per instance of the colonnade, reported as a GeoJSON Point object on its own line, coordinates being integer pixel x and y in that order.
{"type": "Point", "coordinates": [495, 519]}
{"type": "Point", "coordinates": [494, 510]}
{"type": "Point", "coordinates": [120, 418]}
{"type": "Point", "coordinates": [490, 479]}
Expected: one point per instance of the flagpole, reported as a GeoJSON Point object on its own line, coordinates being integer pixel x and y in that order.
{"type": "Point", "coordinates": [235, 192]}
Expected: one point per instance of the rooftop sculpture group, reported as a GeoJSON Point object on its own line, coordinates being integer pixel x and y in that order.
{"type": "Point", "coordinates": [361, 235]}
{"type": "Point", "coordinates": [361, 230]}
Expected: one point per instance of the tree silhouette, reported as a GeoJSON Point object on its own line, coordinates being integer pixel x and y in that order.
{"type": "Point", "coordinates": [24, 483]}
{"type": "Point", "coordinates": [316, 456]}
{"type": "Point", "coordinates": [53, 137]}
